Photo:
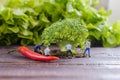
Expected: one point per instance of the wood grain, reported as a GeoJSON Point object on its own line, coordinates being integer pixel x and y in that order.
{"type": "Point", "coordinates": [104, 64]}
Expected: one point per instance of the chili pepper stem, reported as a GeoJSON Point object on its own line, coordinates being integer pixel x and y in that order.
{"type": "Point", "coordinates": [14, 50]}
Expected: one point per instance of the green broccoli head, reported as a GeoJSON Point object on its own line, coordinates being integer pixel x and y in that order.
{"type": "Point", "coordinates": [65, 31]}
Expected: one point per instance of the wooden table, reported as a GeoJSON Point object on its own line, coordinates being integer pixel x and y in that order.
{"type": "Point", "coordinates": [104, 64]}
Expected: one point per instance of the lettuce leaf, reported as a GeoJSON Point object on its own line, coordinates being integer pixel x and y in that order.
{"type": "Point", "coordinates": [26, 21]}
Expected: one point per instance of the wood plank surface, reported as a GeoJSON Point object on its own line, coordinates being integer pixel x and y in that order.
{"type": "Point", "coordinates": [104, 64]}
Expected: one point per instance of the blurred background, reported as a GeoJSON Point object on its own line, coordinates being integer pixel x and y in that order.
{"type": "Point", "coordinates": [111, 5]}
{"type": "Point", "coordinates": [107, 4]}
{"type": "Point", "coordinates": [114, 6]}
{"type": "Point", "coordinates": [97, 20]}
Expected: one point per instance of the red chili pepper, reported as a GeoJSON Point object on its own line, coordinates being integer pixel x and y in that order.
{"type": "Point", "coordinates": [35, 56]}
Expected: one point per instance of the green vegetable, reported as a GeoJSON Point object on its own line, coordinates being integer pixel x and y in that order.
{"type": "Point", "coordinates": [25, 20]}
{"type": "Point", "coordinates": [65, 31]}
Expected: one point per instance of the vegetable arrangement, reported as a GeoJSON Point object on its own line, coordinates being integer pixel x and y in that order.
{"type": "Point", "coordinates": [24, 21]}
{"type": "Point", "coordinates": [35, 56]}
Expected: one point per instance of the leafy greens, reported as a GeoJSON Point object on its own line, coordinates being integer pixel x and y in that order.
{"type": "Point", "coordinates": [26, 20]}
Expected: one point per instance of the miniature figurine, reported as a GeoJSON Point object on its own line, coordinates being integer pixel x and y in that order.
{"type": "Point", "coordinates": [78, 52]}
{"type": "Point", "coordinates": [87, 45]}
{"type": "Point", "coordinates": [47, 51]}
{"type": "Point", "coordinates": [37, 48]}
{"type": "Point", "coordinates": [69, 50]}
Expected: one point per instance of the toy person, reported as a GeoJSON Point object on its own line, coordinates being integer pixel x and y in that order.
{"type": "Point", "coordinates": [78, 52]}
{"type": "Point", "coordinates": [37, 48]}
{"type": "Point", "coordinates": [87, 45]}
{"type": "Point", "coordinates": [69, 50]}
{"type": "Point", "coordinates": [47, 51]}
